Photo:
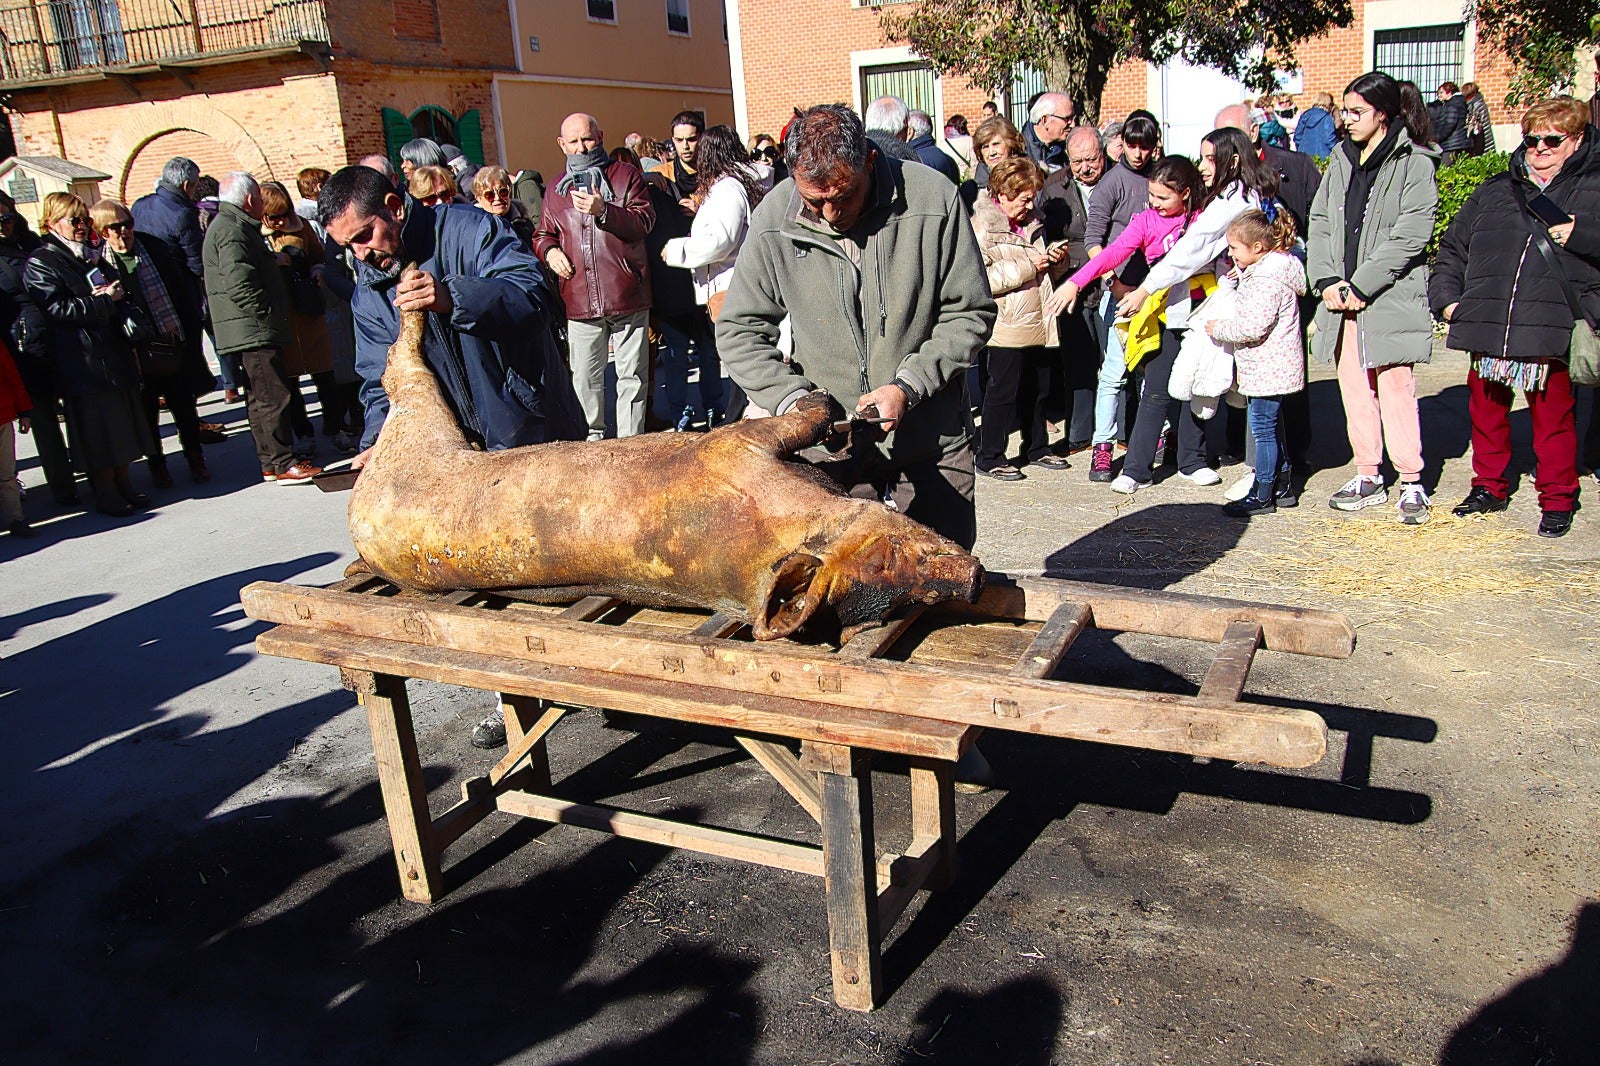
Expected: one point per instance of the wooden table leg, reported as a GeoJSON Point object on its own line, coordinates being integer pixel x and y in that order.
{"type": "Point", "coordinates": [523, 713]}
{"type": "Point", "coordinates": [933, 816]}
{"type": "Point", "coordinates": [850, 870]}
{"type": "Point", "coordinates": [405, 800]}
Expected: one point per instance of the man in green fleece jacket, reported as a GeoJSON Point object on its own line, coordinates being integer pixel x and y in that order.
{"type": "Point", "coordinates": [875, 264]}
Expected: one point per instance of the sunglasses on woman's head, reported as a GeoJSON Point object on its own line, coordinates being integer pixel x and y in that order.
{"type": "Point", "coordinates": [1549, 140]}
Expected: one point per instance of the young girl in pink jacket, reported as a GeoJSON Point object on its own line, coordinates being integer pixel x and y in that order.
{"type": "Point", "coordinates": [1268, 354]}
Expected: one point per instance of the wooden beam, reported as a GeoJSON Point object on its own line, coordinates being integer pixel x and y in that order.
{"type": "Point", "coordinates": [1230, 669]}
{"type": "Point", "coordinates": [773, 716]}
{"type": "Point", "coordinates": [532, 736]}
{"type": "Point", "coordinates": [405, 800]}
{"type": "Point", "coordinates": [781, 763]}
{"type": "Point", "coordinates": [707, 840]}
{"type": "Point", "coordinates": [908, 875]}
{"type": "Point", "coordinates": [933, 816]}
{"type": "Point", "coordinates": [589, 608]}
{"type": "Point", "coordinates": [718, 626]}
{"type": "Point", "coordinates": [1173, 614]}
{"type": "Point", "coordinates": [1066, 622]}
{"type": "Point", "coordinates": [1159, 721]}
{"type": "Point", "coordinates": [851, 882]}
{"type": "Point", "coordinates": [871, 643]}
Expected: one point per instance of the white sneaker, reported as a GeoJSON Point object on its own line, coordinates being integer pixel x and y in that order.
{"type": "Point", "coordinates": [1127, 486]}
{"type": "Point", "coordinates": [1204, 476]}
{"type": "Point", "coordinates": [1414, 504]}
{"type": "Point", "coordinates": [1241, 488]}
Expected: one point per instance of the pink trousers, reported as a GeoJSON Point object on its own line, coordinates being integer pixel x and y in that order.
{"type": "Point", "coordinates": [1380, 408]}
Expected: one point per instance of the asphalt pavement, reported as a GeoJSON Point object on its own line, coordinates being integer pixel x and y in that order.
{"type": "Point", "coordinates": [195, 866]}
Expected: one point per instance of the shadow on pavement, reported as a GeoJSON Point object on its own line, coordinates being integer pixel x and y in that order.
{"type": "Point", "coordinates": [1013, 1023]}
{"type": "Point", "coordinates": [12, 624]}
{"type": "Point", "coordinates": [1549, 1019]}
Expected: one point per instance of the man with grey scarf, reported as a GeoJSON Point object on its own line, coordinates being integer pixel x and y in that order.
{"type": "Point", "coordinates": [592, 236]}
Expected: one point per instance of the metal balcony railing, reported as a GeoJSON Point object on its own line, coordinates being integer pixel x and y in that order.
{"type": "Point", "coordinates": [47, 39]}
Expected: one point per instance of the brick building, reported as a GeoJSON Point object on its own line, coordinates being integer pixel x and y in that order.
{"type": "Point", "coordinates": [272, 86]}
{"type": "Point", "coordinates": [804, 52]}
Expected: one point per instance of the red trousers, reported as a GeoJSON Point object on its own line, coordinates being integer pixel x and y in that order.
{"type": "Point", "coordinates": [1555, 438]}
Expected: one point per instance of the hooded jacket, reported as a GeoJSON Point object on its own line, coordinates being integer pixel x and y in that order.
{"type": "Point", "coordinates": [1264, 328]}
{"type": "Point", "coordinates": [494, 355]}
{"type": "Point", "coordinates": [1510, 304]}
{"type": "Point", "coordinates": [244, 289]}
{"type": "Point", "coordinates": [1391, 255]}
{"type": "Point", "coordinates": [1315, 133]}
{"type": "Point", "coordinates": [1020, 290]}
{"type": "Point", "coordinates": [917, 309]}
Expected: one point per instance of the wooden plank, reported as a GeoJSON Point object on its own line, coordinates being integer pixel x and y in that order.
{"type": "Point", "coordinates": [933, 816]}
{"type": "Point", "coordinates": [909, 874]}
{"type": "Point", "coordinates": [590, 607]}
{"type": "Point", "coordinates": [1160, 721]}
{"type": "Point", "coordinates": [531, 737]}
{"type": "Point", "coordinates": [1048, 648]}
{"type": "Point", "coordinates": [405, 800]}
{"type": "Point", "coordinates": [1174, 614]}
{"type": "Point", "coordinates": [1230, 669]}
{"type": "Point", "coordinates": [781, 763]}
{"type": "Point", "coordinates": [851, 882]}
{"type": "Point", "coordinates": [707, 840]}
{"type": "Point", "coordinates": [718, 626]}
{"type": "Point", "coordinates": [871, 643]}
{"type": "Point", "coordinates": [742, 713]}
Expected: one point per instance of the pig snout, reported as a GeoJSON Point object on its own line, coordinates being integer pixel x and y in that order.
{"type": "Point", "coordinates": [891, 572]}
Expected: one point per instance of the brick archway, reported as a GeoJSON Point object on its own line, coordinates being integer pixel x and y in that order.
{"type": "Point", "coordinates": [192, 121]}
{"type": "Point", "coordinates": [208, 153]}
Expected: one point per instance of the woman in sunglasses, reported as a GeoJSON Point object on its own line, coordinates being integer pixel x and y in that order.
{"type": "Point", "coordinates": [93, 359]}
{"type": "Point", "coordinates": [491, 190]}
{"type": "Point", "coordinates": [1495, 282]}
{"type": "Point", "coordinates": [433, 186]}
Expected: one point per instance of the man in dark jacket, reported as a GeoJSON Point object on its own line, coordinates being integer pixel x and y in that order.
{"type": "Point", "coordinates": [888, 125]}
{"type": "Point", "coordinates": [249, 305]}
{"type": "Point", "coordinates": [170, 214]}
{"type": "Point", "coordinates": [488, 339]}
{"type": "Point", "coordinates": [1064, 205]}
{"type": "Point", "coordinates": [1050, 119]}
{"type": "Point", "coordinates": [592, 236]}
{"type": "Point", "coordinates": [920, 127]}
{"type": "Point", "coordinates": [23, 323]}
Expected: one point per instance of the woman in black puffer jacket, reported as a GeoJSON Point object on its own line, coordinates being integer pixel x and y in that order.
{"type": "Point", "coordinates": [1493, 285]}
{"type": "Point", "coordinates": [94, 364]}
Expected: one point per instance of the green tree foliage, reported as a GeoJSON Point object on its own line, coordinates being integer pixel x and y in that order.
{"type": "Point", "coordinates": [1542, 36]}
{"type": "Point", "coordinates": [1458, 181]}
{"type": "Point", "coordinates": [1075, 43]}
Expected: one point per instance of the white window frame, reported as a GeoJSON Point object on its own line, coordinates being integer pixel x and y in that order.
{"type": "Point", "coordinates": [1411, 14]}
{"type": "Point", "coordinates": [612, 21]}
{"type": "Point", "coordinates": [881, 57]}
{"type": "Point", "coordinates": [687, 20]}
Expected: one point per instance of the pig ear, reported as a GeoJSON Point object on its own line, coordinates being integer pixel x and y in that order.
{"type": "Point", "coordinates": [790, 599]}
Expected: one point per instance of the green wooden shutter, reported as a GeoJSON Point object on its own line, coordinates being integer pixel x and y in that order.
{"type": "Point", "coordinates": [469, 127]}
{"type": "Point", "coordinates": [396, 132]}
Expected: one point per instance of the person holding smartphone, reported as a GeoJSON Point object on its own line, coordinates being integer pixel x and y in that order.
{"type": "Point", "coordinates": [1495, 282]}
{"type": "Point", "coordinates": [592, 237]}
{"type": "Point", "coordinates": [94, 363]}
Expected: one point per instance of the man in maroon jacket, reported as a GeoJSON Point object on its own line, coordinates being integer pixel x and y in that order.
{"type": "Point", "coordinates": [592, 236]}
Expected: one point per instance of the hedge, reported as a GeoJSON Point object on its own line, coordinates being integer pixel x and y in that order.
{"type": "Point", "coordinates": [1456, 183]}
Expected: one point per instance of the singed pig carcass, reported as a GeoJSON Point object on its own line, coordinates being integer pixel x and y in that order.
{"type": "Point", "coordinates": [721, 520]}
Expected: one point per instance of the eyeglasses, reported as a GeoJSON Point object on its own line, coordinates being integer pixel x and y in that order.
{"type": "Point", "coordinates": [1549, 140]}
{"type": "Point", "coordinates": [1355, 112]}
{"type": "Point", "coordinates": [78, 220]}
{"type": "Point", "coordinates": [430, 200]}
{"type": "Point", "coordinates": [118, 227]}
{"type": "Point", "coordinates": [768, 153]}
{"type": "Point", "coordinates": [497, 194]}
{"type": "Point", "coordinates": [1061, 118]}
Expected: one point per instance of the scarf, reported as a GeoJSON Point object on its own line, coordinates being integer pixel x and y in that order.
{"type": "Point", "coordinates": [152, 294]}
{"type": "Point", "coordinates": [594, 159]}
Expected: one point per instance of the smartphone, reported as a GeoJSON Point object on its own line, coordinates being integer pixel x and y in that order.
{"type": "Point", "coordinates": [97, 278]}
{"type": "Point", "coordinates": [1545, 210]}
{"type": "Point", "coordinates": [588, 181]}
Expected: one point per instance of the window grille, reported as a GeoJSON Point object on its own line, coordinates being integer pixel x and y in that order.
{"type": "Point", "coordinates": [678, 16]}
{"type": "Point", "coordinates": [911, 82]}
{"type": "Point", "coordinates": [1427, 55]}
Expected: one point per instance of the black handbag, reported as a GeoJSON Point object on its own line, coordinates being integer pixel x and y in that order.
{"type": "Point", "coordinates": [160, 358]}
